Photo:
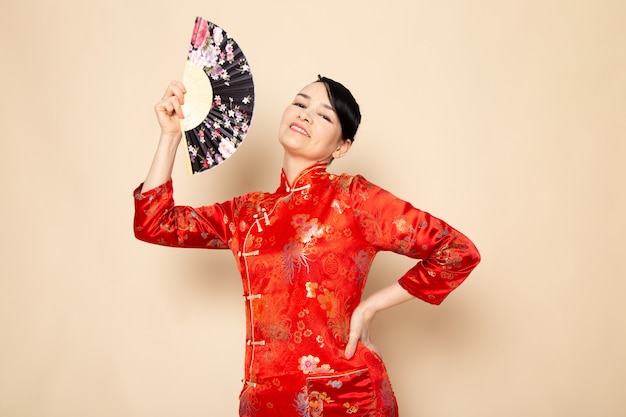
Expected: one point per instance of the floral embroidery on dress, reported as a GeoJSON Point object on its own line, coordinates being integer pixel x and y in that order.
{"type": "Point", "coordinates": [388, 399]}
{"type": "Point", "coordinates": [335, 383]}
{"type": "Point", "coordinates": [403, 225]}
{"type": "Point", "coordinates": [311, 403]}
{"type": "Point", "coordinates": [310, 289]}
{"type": "Point", "coordinates": [299, 220]}
{"type": "Point", "coordinates": [309, 231]}
{"type": "Point", "coordinates": [301, 403]}
{"type": "Point", "coordinates": [449, 255]}
{"type": "Point", "coordinates": [340, 206]}
{"type": "Point", "coordinates": [293, 259]}
{"type": "Point", "coordinates": [328, 302]}
{"type": "Point", "coordinates": [275, 324]}
{"type": "Point", "coordinates": [339, 324]}
{"type": "Point", "coordinates": [351, 409]}
{"type": "Point", "coordinates": [301, 331]}
{"type": "Point", "coordinates": [247, 405]}
{"type": "Point", "coordinates": [362, 261]}
{"type": "Point", "coordinates": [316, 403]}
{"type": "Point", "coordinates": [308, 365]}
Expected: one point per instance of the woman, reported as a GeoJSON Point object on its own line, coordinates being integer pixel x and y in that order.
{"type": "Point", "coordinates": [304, 252]}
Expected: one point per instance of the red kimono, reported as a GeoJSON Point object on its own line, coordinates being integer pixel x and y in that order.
{"type": "Point", "coordinates": [304, 252]}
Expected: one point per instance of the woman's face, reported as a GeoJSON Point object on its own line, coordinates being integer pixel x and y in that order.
{"type": "Point", "coordinates": [310, 129]}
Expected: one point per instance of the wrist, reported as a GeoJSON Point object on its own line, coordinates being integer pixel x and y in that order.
{"type": "Point", "coordinates": [385, 298]}
{"type": "Point", "coordinates": [170, 140]}
{"type": "Point", "coordinates": [368, 307]}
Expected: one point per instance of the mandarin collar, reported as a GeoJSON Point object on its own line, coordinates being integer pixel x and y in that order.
{"type": "Point", "coordinates": [306, 178]}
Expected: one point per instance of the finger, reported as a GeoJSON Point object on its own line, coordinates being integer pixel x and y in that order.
{"type": "Point", "coordinates": [178, 108]}
{"type": "Point", "coordinates": [353, 341]}
{"type": "Point", "coordinates": [176, 89]}
{"type": "Point", "coordinates": [165, 106]}
{"type": "Point", "coordinates": [350, 349]}
{"type": "Point", "coordinates": [171, 106]}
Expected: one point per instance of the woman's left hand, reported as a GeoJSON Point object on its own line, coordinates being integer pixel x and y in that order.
{"type": "Point", "coordinates": [363, 314]}
{"type": "Point", "coordinates": [360, 324]}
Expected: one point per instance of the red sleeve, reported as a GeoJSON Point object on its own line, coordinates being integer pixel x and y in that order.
{"type": "Point", "coordinates": [446, 255]}
{"type": "Point", "coordinates": [157, 220]}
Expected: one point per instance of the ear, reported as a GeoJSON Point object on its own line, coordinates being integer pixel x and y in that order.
{"type": "Point", "coordinates": [342, 149]}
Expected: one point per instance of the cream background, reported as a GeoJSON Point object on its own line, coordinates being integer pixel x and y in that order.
{"type": "Point", "coordinates": [504, 118]}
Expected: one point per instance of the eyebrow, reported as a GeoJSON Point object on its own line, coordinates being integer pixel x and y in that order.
{"type": "Point", "coordinates": [308, 97]}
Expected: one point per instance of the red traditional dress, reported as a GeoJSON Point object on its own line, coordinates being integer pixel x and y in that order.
{"type": "Point", "coordinates": [304, 252]}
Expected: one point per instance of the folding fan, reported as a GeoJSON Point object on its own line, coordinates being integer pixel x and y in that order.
{"type": "Point", "coordinates": [220, 97]}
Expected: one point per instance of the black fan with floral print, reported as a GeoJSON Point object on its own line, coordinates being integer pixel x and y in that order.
{"type": "Point", "coordinates": [219, 99]}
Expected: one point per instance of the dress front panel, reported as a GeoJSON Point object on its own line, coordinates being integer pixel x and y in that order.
{"type": "Point", "coordinates": [304, 252]}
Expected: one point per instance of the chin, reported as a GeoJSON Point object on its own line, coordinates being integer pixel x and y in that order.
{"type": "Point", "coordinates": [291, 141]}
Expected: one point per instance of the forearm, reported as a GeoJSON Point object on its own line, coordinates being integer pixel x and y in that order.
{"type": "Point", "coordinates": [163, 161]}
{"type": "Point", "coordinates": [385, 298]}
{"type": "Point", "coordinates": [169, 112]}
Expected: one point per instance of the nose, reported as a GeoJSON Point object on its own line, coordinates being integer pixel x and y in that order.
{"type": "Point", "coordinates": [304, 115]}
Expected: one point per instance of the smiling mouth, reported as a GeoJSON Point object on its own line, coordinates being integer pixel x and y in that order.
{"type": "Point", "coordinates": [298, 129]}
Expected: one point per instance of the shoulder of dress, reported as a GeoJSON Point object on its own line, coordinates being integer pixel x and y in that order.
{"type": "Point", "coordinates": [354, 181]}
{"type": "Point", "coordinates": [254, 198]}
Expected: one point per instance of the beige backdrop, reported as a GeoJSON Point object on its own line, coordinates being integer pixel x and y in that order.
{"type": "Point", "coordinates": [505, 118]}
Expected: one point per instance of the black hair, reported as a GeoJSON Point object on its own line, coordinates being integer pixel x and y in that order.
{"type": "Point", "coordinates": [345, 106]}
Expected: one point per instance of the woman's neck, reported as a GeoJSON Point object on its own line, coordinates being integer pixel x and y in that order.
{"type": "Point", "coordinates": [292, 167]}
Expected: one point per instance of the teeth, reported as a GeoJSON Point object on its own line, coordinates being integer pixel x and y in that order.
{"type": "Point", "coordinates": [299, 129]}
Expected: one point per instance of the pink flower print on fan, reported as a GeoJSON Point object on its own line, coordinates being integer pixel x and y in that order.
{"type": "Point", "coordinates": [216, 52]}
{"type": "Point", "coordinates": [226, 148]}
{"type": "Point", "coordinates": [230, 56]}
{"type": "Point", "coordinates": [200, 33]}
{"type": "Point", "coordinates": [245, 67]}
{"type": "Point", "coordinates": [218, 35]}
{"type": "Point", "coordinates": [208, 161]}
{"type": "Point", "coordinates": [202, 57]}
{"type": "Point", "coordinates": [219, 73]}
{"type": "Point", "coordinates": [193, 152]}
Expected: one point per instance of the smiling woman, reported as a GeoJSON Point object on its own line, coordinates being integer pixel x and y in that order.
{"type": "Point", "coordinates": [311, 129]}
{"type": "Point", "coordinates": [304, 252]}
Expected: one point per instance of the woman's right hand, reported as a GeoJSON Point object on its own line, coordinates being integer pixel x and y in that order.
{"type": "Point", "coordinates": [169, 109]}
